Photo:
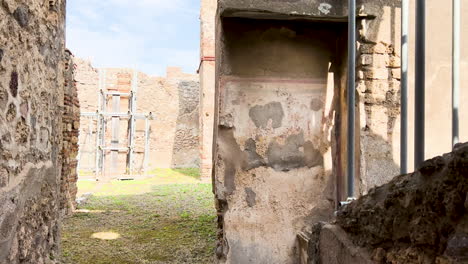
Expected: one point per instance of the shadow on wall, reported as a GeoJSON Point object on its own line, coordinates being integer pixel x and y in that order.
{"type": "Point", "coordinates": [185, 153]}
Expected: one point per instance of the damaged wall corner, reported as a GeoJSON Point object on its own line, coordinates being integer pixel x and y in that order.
{"type": "Point", "coordinates": [71, 130]}
{"type": "Point", "coordinates": [32, 44]}
{"type": "Point", "coordinates": [278, 84]}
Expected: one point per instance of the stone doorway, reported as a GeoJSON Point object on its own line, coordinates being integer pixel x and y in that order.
{"type": "Point", "coordinates": [279, 87]}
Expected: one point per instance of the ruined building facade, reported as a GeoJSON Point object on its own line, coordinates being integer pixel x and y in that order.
{"type": "Point", "coordinates": [281, 115]}
{"type": "Point", "coordinates": [171, 103]}
{"type": "Point", "coordinates": [38, 128]}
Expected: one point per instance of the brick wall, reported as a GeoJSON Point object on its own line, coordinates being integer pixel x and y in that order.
{"type": "Point", "coordinates": [71, 124]}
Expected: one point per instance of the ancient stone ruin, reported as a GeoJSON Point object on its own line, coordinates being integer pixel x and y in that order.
{"type": "Point", "coordinates": [71, 126]}
{"type": "Point", "coordinates": [415, 218]}
{"type": "Point", "coordinates": [266, 118]}
{"type": "Point", "coordinates": [165, 129]}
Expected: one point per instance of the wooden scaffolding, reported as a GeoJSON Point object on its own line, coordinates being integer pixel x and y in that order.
{"type": "Point", "coordinates": [102, 117]}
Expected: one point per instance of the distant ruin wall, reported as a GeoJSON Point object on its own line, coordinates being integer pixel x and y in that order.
{"type": "Point", "coordinates": [32, 38]}
{"type": "Point", "coordinates": [174, 103]}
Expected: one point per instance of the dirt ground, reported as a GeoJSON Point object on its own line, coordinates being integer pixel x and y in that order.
{"type": "Point", "coordinates": [169, 218]}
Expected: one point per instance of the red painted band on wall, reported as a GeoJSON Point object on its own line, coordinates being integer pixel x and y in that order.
{"type": "Point", "coordinates": [208, 58]}
{"type": "Point", "coordinates": [205, 58]}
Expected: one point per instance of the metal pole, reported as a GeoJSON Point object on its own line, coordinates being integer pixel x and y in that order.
{"type": "Point", "coordinates": [103, 129]}
{"type": "Point", "coordinates": [351, 94]}
{"type": "Point", "coordinates": [456, 73]}
{"type": "Point", "coordinates": [404, 87]}
{"type": "Point", "coordinates": [115, 141]}
{"type": "Point", "coordinates": [147, 137]}
{"type": "Point", "coordinates": [98, 125]}
{"type": "Point", "coordinates": [132, 130]}
{"type": "Point", "coordinates": [420, 85]}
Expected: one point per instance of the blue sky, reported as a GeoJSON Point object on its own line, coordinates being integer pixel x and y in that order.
{"type": "Point", "coordinates": [145, 34]}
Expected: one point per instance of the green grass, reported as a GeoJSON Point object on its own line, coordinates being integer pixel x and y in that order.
{"type": "Point", "coordinates": [158, 222]}
{"type": "Point", "coordinates": [162, 177]}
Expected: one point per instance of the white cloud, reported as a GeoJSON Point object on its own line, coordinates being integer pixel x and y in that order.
{"type": "Point", "coordinates": [123, 50]}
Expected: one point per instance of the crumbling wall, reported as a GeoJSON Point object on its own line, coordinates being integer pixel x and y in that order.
{"type": "Point", "coordinates": [186, 150]}
{"type": "Point", "coordinates": [174, 102]}
{"type": "Point", "coordinates": [415, 218]}
{"type": "Point", "coordinates": [71, 126]}
{"type": "Point", "coordinates": [87, 81]}
{"type": "Point", "coordinates": [273, 161]}
{"type": "Point", "coordinates": [378, 93]}
{"type": "Point", "coordinates": [32, 36]}
{"type": "Point", "coordinates": [174, 132]}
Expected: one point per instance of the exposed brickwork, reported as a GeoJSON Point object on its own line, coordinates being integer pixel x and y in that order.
{"type": "Point", "coordinates": [378, 88]}
{"type": "Point", "coordinates": [71, 125]}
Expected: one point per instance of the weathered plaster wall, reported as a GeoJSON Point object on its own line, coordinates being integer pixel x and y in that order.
{"type": "Point", "coordinates": [174, 103]}
{"type": "Point", "coordinates": [378, 91]}
{"type": "Point", "coordinates": [32, 36]}
{"type": "Point", "coordinates": [276, 90]}
{"type": "Point", "coordinates": [207, 85]}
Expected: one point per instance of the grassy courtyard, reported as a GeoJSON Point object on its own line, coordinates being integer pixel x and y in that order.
{"type": "Point", "coordinates": [169, 218]}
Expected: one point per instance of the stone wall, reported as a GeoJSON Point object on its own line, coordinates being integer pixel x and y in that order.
{"type": "Point", "coordinates": [415, 218]}
{"type": "Point", "coordinates": [71, 126]}
{"type": "Point", "coordinates": [32, 38]}
{"type": "Point", "coordinates": [174, 132]}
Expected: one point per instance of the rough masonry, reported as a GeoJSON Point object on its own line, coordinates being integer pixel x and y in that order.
{"type": "Point", "coordinates": [278, 89]}
{"type": "Point", "coordinates": [71, 129]}
{"type": "Point", "coordinates": [32, 80]}
{"type": "Point", "coordinates": [416, 218]}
